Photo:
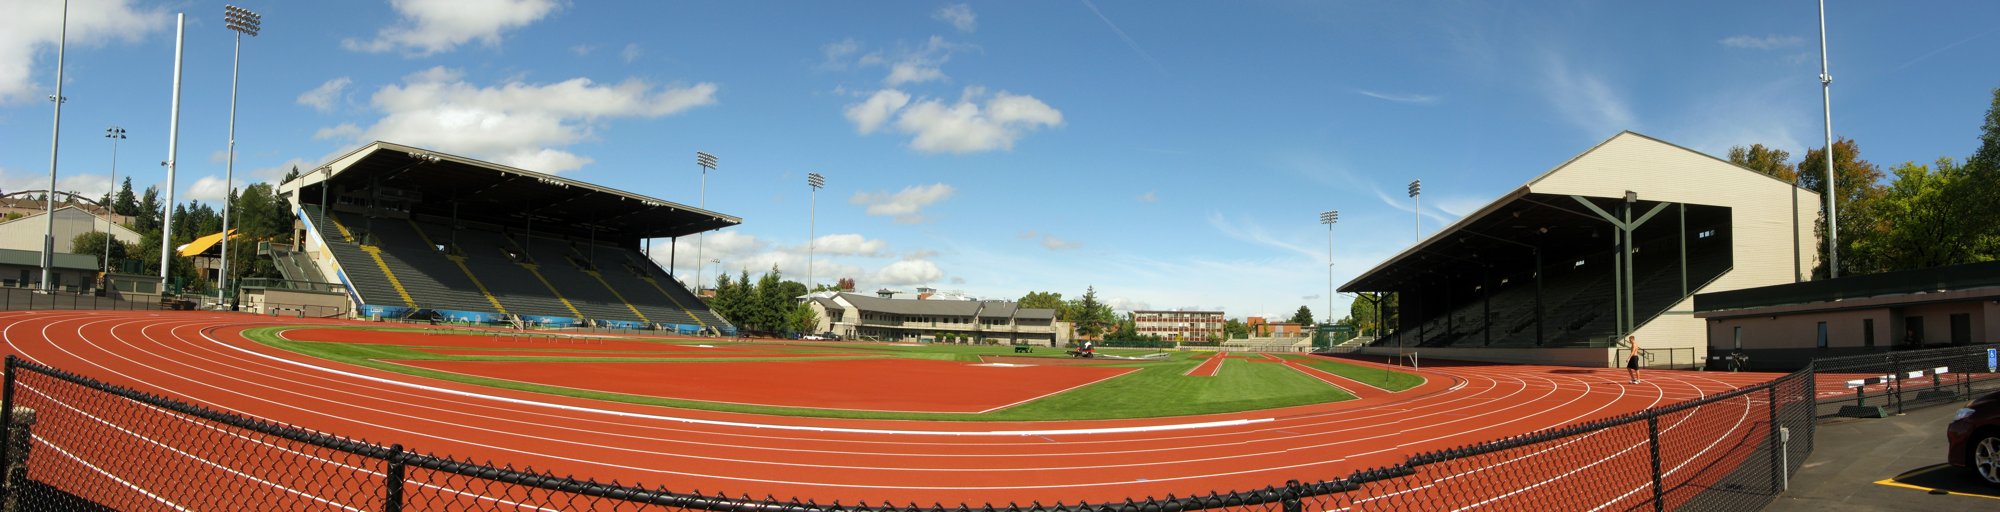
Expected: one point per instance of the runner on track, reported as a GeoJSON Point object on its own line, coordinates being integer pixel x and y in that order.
{"type": "Point", "coordinates": [1632, 363]}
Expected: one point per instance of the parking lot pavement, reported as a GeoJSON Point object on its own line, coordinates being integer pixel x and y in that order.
{"type": "Point", "coordinates": [1894, 463]}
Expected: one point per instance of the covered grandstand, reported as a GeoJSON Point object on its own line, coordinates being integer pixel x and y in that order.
{"type": "Point", "coordinates": [1614, 241]}
{"type": "Point", "coordinates": [411, 232]}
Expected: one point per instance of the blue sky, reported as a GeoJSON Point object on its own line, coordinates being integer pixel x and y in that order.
{"type": "Point", "coordinates": [1171, 154]}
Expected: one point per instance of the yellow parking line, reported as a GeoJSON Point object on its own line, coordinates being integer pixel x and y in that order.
{"type": "Point", "coordinates": [1892, 482]}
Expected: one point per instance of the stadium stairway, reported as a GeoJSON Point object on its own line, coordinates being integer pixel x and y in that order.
{"type": "Point", "coordinates": [615, 269]}
{"type": "Point", "coordinates": [365, 269]}
{"type": "Point", "coordinates": [665, 283]}
{"type": "Point", "coordinates": [562, 274]}
{"type": "Point", "coordinates": [457, 258]}
{"type": "Point", "coordinates": [515, 284]}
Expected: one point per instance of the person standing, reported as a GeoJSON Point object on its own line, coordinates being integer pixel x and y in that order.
{"type": "Point", "coordinates": [1632, 362]}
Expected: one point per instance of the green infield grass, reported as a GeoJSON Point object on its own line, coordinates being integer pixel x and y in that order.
{"type": "Point", "coordinates": [1157, 389]}
{"type": "Point", "coordinates": [1381, 378]}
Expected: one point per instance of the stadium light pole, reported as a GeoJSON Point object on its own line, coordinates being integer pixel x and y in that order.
{"type": "Point", "coordinates": [816, 181]}
{"type": "Point", "coordinates": [55, 144]}
{"type": "Point", "coordinates": [242, 21]}
{"type": "Point", "coordinates": [173, 150]}
{"type": "Point", "coordinates": [115, 134]}
{"type": "Point", "coordinates": [1328, 218]}
{"type": "Point", "coordinates": [707, 163]}
{"type": "Point", "coordinates": [1832, 193]}
{"type": "Point", "coordinates": [1417, 208]}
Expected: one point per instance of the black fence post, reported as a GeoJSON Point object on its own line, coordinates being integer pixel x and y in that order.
{"type": "Point", "coordinates": [1777, 467]}
{"type": "Point", "coordinates": [1896, 381]}
{"type": "Point", "coordinates": [7, 432]}
{"type": "Point", "coordinates": [1653, 437]}
{"type": "Point", "coordinates": [392, 497]}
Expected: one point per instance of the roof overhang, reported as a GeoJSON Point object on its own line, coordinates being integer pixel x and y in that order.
{"type": "Point", "coordinates": [447, 185]}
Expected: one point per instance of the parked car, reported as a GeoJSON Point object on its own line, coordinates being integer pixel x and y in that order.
{"type": "Point", "coordinates": [829, 335]}
{"type": "Point", "coordinates": [813, 337]}
{"type": "Point", "coordinates": [1974, 435]}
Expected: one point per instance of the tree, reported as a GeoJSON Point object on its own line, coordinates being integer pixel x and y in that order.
{"type": "Point", "coordinates": [1303, 316]}
{"type": "Point", "coordinates": [1364, 308]}
{"type": "Point", "coordinates": [1982, 185]}
{"type": "Point", "coordinates": [1987, 157]}
{"type": "Point", "coordinates": [1925, 218]}
{"type": "Point", "coordinates": [1235, 329]}
{"type": "Point", "coordinates": [1041, 300]}
{"type": "Point", "coordinates": [92, 243]}
{"type": "Point", "coordinates": [1089, 316]}
{"type": "Point", "coordinates": [1859, 186]}
{"type": "Point", "coordinates": [846, 284]}
{"type": "Point", "coordinates": [1771, 162]}
{"type": "Point", "coordinates": [125, 203]}
{"type": "Point", "coordinates": [801, 318]}
{"type": "Point", "coordinates": [1127, 329]}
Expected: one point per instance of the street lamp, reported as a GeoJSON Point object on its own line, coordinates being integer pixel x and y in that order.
{"type": "Point", "coordinates": [707, 163]}
{"type": "Point", "coordinates": [815, 181]}
{"type": "Point", "coordinates": [1417, 189]}
{"type": "Point", "coordinates": [115, 134]}
{"type": "Point", "coordinates": [55, 143]}
{"type": "Point", "coordinates": [243, 22]}
{"type": "Point", "coordinates": [1329, 218]}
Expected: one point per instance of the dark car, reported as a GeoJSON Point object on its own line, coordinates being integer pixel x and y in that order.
{"type": "Point", "coordinates": [1975, 438]}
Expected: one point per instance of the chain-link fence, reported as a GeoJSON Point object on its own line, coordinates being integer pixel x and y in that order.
{"type": "Point", "coordinates": [1872, 385]}
{"type": "Point", "coordinates": [79, 444]}
{"type": "Point", "coordinates": [28, 299]}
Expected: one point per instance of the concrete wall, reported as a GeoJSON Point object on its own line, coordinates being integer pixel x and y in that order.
{"type": "Point", "coordinates": [295, 303]}
{"type": "Point", "coordinates": [1789, 340]}
{"type": "Point", "coordinates": [26, 233]}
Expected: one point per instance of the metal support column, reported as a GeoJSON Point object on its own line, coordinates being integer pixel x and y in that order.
{"type": "Point", "coordinates": [1683, 237]}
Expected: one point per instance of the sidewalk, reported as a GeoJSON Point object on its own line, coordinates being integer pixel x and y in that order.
{"type": "Point", "coordinates": [1854, 454]}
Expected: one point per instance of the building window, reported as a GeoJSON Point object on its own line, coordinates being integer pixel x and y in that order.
{"type": "Point", "coordinates": [1739, 337]}
{"type": "Point", "coordinates": [1705, 234]}
{"type": "Point", "coordinates": [1868, 332]}
{"type": "Point", "coordinates": [1822, 335]}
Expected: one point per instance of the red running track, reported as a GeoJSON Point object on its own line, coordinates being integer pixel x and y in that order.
{"type": "Point", "coordinates": [202, 358]}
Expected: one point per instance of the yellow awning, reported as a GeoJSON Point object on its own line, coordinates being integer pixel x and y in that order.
{"type": "Point", "coordinates": [203, 244]}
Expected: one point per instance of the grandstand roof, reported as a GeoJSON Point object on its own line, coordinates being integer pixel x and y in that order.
{"type": "Point", "coordinates": [448, 185]}
{"type": "Point", "coordinates": [1540, 213]}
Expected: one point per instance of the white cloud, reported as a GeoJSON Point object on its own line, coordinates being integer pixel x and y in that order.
{"type": "Point", "coordinates": [960, 16]}
{"type": "Point", "coordinates": [432, 26]}
{"type": "Point", "coordinates": [1127, 304]}
{"type": "Point", "coordinates": [1052, 243]}
{"type": "Point", "coordinates": [208, 188]}
{"type": "Point", "coordinates": [322, 98]}
{"type": "Point", "coordinates": [30, 30]}
{"type": "Point", "coordinates": [908, 273]}
{"type": "Point", "coordinates": [912, 72]}
{"type": "Point", "coordinates": [277, 172]}
{"type": "Point", "coordinates": [630, 53]}
{"type": "Point", "coordinates": [1149, 197]}
{"type": "Point", "coordinates": [849, 244]}
{"type": "Point", "coordinates": [837, 53]}
{"type": "Point", "coordinates": [340, 131]}
{"type": "Point", "coordinates": [905, 206]}
{"type": "Point", "coordinates": [1420, 99]}
{"type": "Point", "coordinates": [1585, 99]}
{"type": "Point", "coordinates": [1770, 42]}
{"type": "Point", "coordinates": [1252, 232]}
{"type": "Point", "coordinates": [582, 50]}
{"type": "Point", "coordinates": [514, 123]}
{"type": "Point", "coordinates": [966, 127]}
{"type": "Point", "coordinates": [869, 115]}
{"type": "Point", "coordinates": [1129, 42]}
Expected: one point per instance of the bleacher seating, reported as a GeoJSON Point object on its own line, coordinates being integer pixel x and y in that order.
{"type": "Point", "coordinates": [565, 286]}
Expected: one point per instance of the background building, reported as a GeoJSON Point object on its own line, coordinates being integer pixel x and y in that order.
{"type": "Point", "coordinates": [1179, 325]}
{"type": "Point", "coordinates": [857, 316]}
{"type": "Point", "coordinates": [1788, 325]}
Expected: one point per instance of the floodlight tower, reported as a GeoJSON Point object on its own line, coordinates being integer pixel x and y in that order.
{"type": "Point", "coordinates": [115, 134]}
{"type": "Point", "coordinates": [707, 163]}
{"type": "Point", "coordinates": [1417, 204]}
{"type": "Point", "coordinates": [817, 182]}
{"type": "Point", "coordinates": [1832, 194]}
{"type": "Point", "coordinates": [55, 144]}
{"type": "Point", "coordinates": [1328, 218]}
{"type": "Point", "coordinates": [243, 22]}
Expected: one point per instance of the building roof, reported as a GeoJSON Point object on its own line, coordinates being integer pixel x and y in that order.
{"type": "Point", "coordinates": [1177, 311]}
{"type": "Point", "coordinates": [1982, 280]}
{"type": "Point", "coordinates": [984, 309]}
{"type": "Point", "coordinates": [203, 244]}
{"type": "Point", "coordinates": [458, 187]}
{"type": "Point", "coordinates": [63, 260]}
{"type": "Point", "coordinates": [912, 307]}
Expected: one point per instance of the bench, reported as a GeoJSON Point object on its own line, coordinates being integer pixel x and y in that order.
{"type": "Point", "coordinates": [1023, 349]}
